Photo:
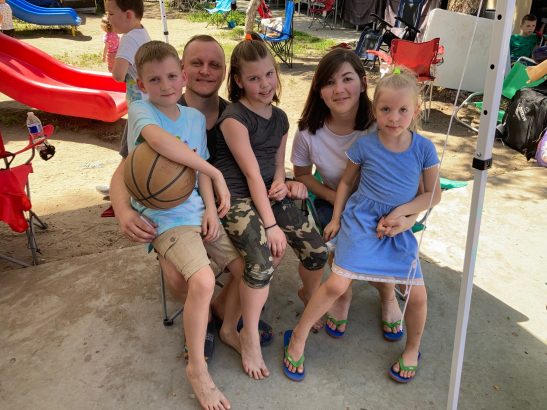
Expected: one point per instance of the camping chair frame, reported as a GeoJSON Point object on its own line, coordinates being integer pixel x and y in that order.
{"type": "Point", "coordinates": [515, 80]}
{"type": "Point", "coordinates": [31, 217]}
{"type": "Point", "coordinates": [382, 33]}
{"type": "Point", "coordinates": [281, 42]}
{"type": "Point", "coordinates": [321, 11]}
{"type": "Point", "coordinates": [168, 319]}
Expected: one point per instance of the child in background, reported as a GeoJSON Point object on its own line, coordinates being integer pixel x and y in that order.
{"type": "Point", "coordinates": [6, 19]}
{"type": "Point", "coordinates": [522, 45]}
{"type": "Point", "coordinates": [262, 218]}
{"type": "Point", "coordinates": [111, 43]}
{"type": "Point", "coordinates": [125, 18]}
{"type": "Point", "coordinates": [389, 164]}
{"type": "Point", "coordinates": [191, 231]}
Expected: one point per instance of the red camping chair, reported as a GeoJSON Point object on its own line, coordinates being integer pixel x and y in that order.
{"type": "Point", "coordinates": [321, 11]}
{"type": "Point", "coordinates": [418, 57]}
{"type": "Point", "coordinates": [263, 10]}
{"type": "Point", "coordinates": [15, 205]}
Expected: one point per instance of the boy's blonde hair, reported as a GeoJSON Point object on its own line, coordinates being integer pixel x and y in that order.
{"type": "Point", "coordinates": [154, 51]}
{"type": "Point", "coordinates": [400, 77]}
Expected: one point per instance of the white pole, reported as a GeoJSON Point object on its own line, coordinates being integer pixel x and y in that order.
{"type": "Point", "coordinates": [164, 21]}
{"type": "Point", "coordinates": [499, 45]}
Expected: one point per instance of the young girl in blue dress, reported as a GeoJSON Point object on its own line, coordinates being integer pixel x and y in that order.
{"type": "Point", "coordinates": [262, 218]}
{"type": "Point", "coordinates": [389, 164]}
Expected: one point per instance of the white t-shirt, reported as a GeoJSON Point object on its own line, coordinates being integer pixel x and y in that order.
{"type": "Point", "coordinates": [7, 22]}
{"type": "Point", "coordinates": [129, 44]}
{"type": "Point", "coordinates": [326, 150]}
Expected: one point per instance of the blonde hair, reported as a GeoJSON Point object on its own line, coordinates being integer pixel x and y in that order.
{"type": "Point", "coordinates": [400, 77]}
{"type": "Point", "coordinates": [154, 51]}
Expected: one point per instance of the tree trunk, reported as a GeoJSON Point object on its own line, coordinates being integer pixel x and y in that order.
{"type": "Point", "coordinates": [251, 16]}
{"type": "Point", "coordinates": [466, 6]}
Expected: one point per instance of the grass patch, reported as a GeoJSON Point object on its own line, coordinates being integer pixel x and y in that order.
{"type": "Point", "coordinates": [86, 60]}
{"type": "Point", "coordinates": [202, 16]}
{"type": "Point", "coordinates": [306, 45]}
{"type": "Point", "coordinates": [23, 28]}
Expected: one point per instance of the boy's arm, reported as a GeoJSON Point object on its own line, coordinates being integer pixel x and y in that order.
{"type": "Point", "coordinates": [119, 69]}
{"type": "Point", "coordinates": [177, 151]}
{"type": "Point", "coordinates": [130, 221]}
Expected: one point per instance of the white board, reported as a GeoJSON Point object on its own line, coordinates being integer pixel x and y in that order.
{"type": "Point", "coordinates": [455, 30]}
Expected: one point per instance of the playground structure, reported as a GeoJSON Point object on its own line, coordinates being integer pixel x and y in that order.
{"type": "Point", "coordinates": [36, 79]}
{"type": "Point", "coordinates": [64, 16]}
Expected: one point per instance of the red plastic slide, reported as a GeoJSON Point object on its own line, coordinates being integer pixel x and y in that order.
{"type": "Point", "coordinates": [34, 78]}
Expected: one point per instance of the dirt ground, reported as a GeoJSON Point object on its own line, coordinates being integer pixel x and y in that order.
{"type": "Point", "coordinates": [63, 188]}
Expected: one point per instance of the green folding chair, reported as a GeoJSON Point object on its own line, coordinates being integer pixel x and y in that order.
{"type": "Point", "coordinates": [515, 80]}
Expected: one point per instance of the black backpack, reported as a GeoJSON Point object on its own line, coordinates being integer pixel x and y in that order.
{"type": "Point", "coordinates": [524, 120]}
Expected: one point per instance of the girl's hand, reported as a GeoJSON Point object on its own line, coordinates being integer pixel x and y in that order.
{"type": "Point", "coordinates": [223, 195]}
{"type": "Point", "coordinates": [331, 230]}
{"type": "Point", "coordinates": [276, 241]}
{"type": "Point", "coordinates": [389, 226]}
{"type": "Point", "coordinates": [278, 191]}
{"type": "Point", "coordinates": [210, 226]}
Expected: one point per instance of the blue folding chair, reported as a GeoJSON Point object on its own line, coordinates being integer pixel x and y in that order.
{"type": "Point", "coordinates": [218, 14]}
{"type": "Point", "coordinates": [281, 42]}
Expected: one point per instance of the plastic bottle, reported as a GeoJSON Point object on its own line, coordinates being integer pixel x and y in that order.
{"type": "Point", "coordinates": [35, 129]}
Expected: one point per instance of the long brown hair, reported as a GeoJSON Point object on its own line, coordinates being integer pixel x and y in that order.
{"type": "Point", "coordinates": [316, 111]}
{"type": "Point", "coordinates": [248, 50]}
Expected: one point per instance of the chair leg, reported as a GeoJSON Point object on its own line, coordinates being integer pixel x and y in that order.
{"type": "Point", "coordinates": [167, 320]}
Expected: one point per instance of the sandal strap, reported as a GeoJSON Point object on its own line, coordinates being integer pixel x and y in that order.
{"type": "Point", "coordinates": [295, 363]}
{"type": "Point", "coordinates": [336, 321]}
{"type": "Point", "coordinates": [406, 368]}
{"type": "Point", "coordinates": [391, 325]}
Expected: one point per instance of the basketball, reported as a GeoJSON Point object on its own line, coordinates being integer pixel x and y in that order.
{"type": "Point", "coordinates": [155, 181]}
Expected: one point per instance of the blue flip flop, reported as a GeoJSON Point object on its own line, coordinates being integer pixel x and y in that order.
{"type": "Point", "coordinates": [335, 332]}
{"type": "Point", "coordinates": [396, 375]}
{"type": "Point", "coordinates": [390, 336]}
{"type": "Point", "coordinates": [294, 376]}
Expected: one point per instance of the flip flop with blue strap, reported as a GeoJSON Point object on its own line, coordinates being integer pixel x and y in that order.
{"type": "Point", "coordinates": [294, 376]}
{"type": "Point", "coordinates": [393, 336]}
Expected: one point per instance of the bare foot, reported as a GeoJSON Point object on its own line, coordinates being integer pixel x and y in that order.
{"type": "Point", "coordinates": [391, 312]}
{"type": "Point", "coordinates": [251, 355]}
{"type": "Point", "coordinates": [305, 299]}
{"type": "Point", "coordinates": [208, 395]}
{"type": "Point", "coordinates": [410, 358]}
{"type": "Point", "coordinates": [339, 310]}
{"type": "Point", "coordinates": [230, 337]}
{"type": "Point", "coordinates": [295, 350]}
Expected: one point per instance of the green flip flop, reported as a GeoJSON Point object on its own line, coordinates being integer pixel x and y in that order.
{"type": "Point", "coordinates": [335, 332]}
{"type": "Point", "coordinates": [391, 336]}
{"type": "Point", "coordinates": [397, 375]}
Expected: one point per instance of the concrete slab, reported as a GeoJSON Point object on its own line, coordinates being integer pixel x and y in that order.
{"type": "Point", "coordinates": [87, 333]}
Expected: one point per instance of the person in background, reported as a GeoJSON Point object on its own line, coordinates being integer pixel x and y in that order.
{"type": "Point", "coordinates": [6, 19]}
{"type": "Point", "coordinates": [111, 42]}
{"type": "Point", "coordinates": [524, 43]}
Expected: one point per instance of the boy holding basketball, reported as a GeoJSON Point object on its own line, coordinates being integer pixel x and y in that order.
{"type": "Point", "coordinates": [191, 230]}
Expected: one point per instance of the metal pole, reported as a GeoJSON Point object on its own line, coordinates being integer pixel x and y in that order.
{"type": "Point", "coordinates": [164, 21]}
{"type": "Point", "coordinates": [499, 46]}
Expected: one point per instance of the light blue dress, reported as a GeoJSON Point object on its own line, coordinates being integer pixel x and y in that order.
{"type": "Point", "coordinates": [388, 179]}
